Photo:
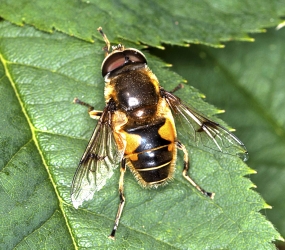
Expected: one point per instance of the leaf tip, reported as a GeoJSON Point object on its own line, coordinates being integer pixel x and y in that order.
{"type": "Point", "coordinates": [252, 171]}
{"type": "Point", "coordinates": [220, 111]}
{"type": "Point", "coordinates": [232, 129]}
{"type": "Point", "coordinates": [267, 206]}
{"type": "Point", "coordinates": [160, 47]}
{"type": "Point", "coordinates": [280, 238]}
{"type": "Point", "coordinates": [280, 25]}
{"type": "Point", "coordinates": [250, 39]}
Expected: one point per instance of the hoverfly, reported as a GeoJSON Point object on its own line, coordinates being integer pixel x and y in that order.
{"type": "Point", "coordinates": [137, 129]}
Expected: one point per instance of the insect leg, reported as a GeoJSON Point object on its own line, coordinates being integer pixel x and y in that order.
{"type": "Point", "coordinates": [185, 172]}
{"type": "Point", "coordinates": [95, 114]}
{"type": "Point", "coordinates": [179, 86]}
{"type": "Point", "coordinates": [122, 199]}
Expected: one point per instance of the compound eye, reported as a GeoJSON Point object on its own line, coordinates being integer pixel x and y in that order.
{"type": "Point", "coordinates": [120, 58]}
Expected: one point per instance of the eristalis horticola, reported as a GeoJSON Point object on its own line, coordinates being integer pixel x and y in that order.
{"type": "Point", "coordinates": [137, 129]}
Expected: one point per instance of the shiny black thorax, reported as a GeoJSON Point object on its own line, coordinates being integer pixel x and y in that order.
{"type": "Point", "coordinates": [138, 97]}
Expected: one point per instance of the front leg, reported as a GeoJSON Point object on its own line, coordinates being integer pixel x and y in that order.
{"type": "Point", "coordinates": [94, 114]}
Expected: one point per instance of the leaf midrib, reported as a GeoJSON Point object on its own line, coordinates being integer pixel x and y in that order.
{"type": "Point", "coordinates": [254, 104]}
{"type": "Point", "coordinates": [34, 138]}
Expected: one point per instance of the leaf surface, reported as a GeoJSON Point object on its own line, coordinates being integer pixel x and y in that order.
{"type": "Point", "coordinates": [172, 22]}
{"type": "Point", "coordinates": [44, 136]}
{"type": "Point", "coordinates": [247, 80]}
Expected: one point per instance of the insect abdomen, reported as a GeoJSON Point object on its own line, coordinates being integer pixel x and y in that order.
{"type": "Point", "coordinates": [154, 166]}
{"type": "Point", "coordinates": [151, 157]}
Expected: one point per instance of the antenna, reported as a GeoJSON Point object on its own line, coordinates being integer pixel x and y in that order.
{"type": "Point", "coordinates": [107, 47]}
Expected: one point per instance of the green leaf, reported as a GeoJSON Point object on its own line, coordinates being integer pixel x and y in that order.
{"type": "Point", "coordinates": [249, 78]}
{"type": "Point", "coordinates": [43, 136]}
{"type": "Point", "coordinates": [173, 22]}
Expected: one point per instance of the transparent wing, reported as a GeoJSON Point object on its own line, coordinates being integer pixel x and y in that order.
{"type": "Point", "coordinates": [98, 162]}
{"type": "Point", "coordinates": [204, 132]}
